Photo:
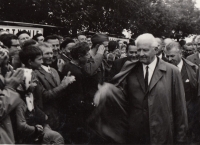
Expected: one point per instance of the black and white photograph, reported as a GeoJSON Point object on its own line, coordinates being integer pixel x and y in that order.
{"type": "Point", "coordinates": [100, 72]}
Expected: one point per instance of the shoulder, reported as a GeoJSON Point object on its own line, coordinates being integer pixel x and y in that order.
{"type": "Point", "coordinates": [169, 67]}
{"type": "Point", "coordinates": [192, 56]}
{"type": "Point", "coordinates": [54, 70]}
{"type": "Point", "coordinates": [120, 61]}
{"type": "Point", "coordinates": [190, 64]}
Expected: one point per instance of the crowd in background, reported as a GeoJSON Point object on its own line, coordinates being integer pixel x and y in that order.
{"type": "Point", "coordinates": [48, 83]}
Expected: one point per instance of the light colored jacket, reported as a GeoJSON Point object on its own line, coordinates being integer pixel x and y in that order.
{"type": "Point", "coordinates": [9, 100]}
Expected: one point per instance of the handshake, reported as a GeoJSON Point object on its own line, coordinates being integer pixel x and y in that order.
{"type": "Point", "coordinates": [68, 79]}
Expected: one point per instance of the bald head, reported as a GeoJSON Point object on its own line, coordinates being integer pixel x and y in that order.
{"type": "Point", "coordinates": [167, 41]}
{"type": "Point", "coordinates": [147, 46]}
{"type": "Point", "coordinates": [160, 46]}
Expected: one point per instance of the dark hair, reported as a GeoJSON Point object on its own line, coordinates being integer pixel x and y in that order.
{"type": "Point", "coordinates": [29, 52]}
{"type": "Point", "coordinates": [28, 43]}
{"type": "Point", "coordinates": [182, 42]}
{"type": "Point", "coordinates": [131, 40]}
{"type": "Point", "coordinates": [36, 36]}
{"type": "Point", "coordinates": [79, 49]}
{"type": "Point", "coordinates": [112, 45]}
{"type": "Point", "coordinates": [125, 42]}
{"type": "Point", "coordinates": [89, 36]}
{"type": "Point", "coordinates": [66, 42]}
{"type": "Point", "coordinates": [51, 37]}
{"type": "Point", "coordinates": [22, 32]}
{"type": "Point", "coordinates": [131, 43]}
{"type": "Point", "coordinates": [6, 39]}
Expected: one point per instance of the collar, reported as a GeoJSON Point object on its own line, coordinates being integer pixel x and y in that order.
{"type": "Point", "coordinates": [152, 65]}
{"type": "Point", "coordinates": [160, 56]}
{"type": "Point", "coordinates": [75, 63]}
{"type": "Point", "coordinates": [47, 69]}
{"type": "Point", "coordinates": [180, 65]}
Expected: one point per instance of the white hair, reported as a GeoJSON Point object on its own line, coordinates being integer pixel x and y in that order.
{"type": "Point", "coordinates": [146, 38]}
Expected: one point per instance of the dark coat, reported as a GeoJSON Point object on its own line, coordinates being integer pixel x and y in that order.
{"type": "Point", "coordinates": [193, 96]}
{"type": "Point", "coordinates": [166, 103]}
{"type": "Point", "coordinates": [194, 58]}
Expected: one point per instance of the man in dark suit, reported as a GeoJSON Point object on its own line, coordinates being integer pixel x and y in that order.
{"type": "Point", "coordinates": [131, 51]}
{"type": "Point", "coordinates": [195, 58]}
{"type": "Point", "coordinates": [155, 93]}
{"type": "Point", "coordinates": [190, 77]}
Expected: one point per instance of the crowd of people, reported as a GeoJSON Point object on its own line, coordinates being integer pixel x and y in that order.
{"type": "Point", "coordinates": [57, 90]}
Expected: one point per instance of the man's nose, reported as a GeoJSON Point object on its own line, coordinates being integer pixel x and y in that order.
{"type": "Point", "coordinates": [169, 58]}
{"type": "Point", "coordinates": [134, 54]}
{"type": "Point", "coordinates": [141, 53]}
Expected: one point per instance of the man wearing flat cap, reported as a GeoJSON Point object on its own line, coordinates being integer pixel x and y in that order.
{"type": "Point", "coordinates": [95, 67]}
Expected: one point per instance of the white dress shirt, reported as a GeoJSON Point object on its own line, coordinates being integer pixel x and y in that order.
{"type": "Point", "coordinates": [180, 65]}
{"type": "Point", "coordinates": [47, 69]}
{"type": "Point", "coordinates": [151, 69]}
{"type": "Point", "coordinates": [160, 56]}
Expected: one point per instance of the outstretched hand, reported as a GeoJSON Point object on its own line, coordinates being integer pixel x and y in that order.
{"type": "Point", "coordinates": [13, 79]}
{"type": "Point", "coordinates": [68, 79]}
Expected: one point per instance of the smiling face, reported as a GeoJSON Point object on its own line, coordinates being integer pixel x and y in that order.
{"type": "Point", "coordinates": [36, 63]}
{"type": "Point", "coordinates": [47, 55]}
{"type": "Point", "coordinates": [56, 46]}
{"type": "Point", "coordinates": [23, 37]}
{"type": "Point", "coordinates": [132, 52]}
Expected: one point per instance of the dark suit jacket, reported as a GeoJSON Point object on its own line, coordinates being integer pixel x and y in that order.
{"type": "Point", "coordinates": [166, 105]}
{"type": "Point", "coordinates": [194, 58]}
{"type": "Point", "coordinates": [47, 93]}
{"type": "Point", "coordinates": [192, 89]}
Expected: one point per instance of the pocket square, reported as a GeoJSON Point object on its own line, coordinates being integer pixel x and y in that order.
{"type": "Point", "coordinates": [187, 81]}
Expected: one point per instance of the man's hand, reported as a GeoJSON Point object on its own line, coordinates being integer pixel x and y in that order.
{"type": "Point", "coordinates": [3, 55]}
{"type": "Point", "coordinates": [101, 49]}
{"type": "Point", "coordinates": [68, 79]}
{"type": "Point", "coordinates": [39, 128]}
{"type": "Point", "coordinates": [60, 64]}
{"type": "Point", "coordinates": [12, 80]}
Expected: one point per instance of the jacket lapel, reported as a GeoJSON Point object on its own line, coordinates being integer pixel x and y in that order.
{"type": "Point", "coordinates": [190, 72]}
{"type": "Point", "coordinates": [47, 76]}
{"type": "Point", "coordinates": [140, 77]}
{"type": "Point", "coordinates": [158, 74]}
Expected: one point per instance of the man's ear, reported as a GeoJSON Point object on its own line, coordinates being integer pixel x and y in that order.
{"type": "Point", "coordinates": [156, 49]}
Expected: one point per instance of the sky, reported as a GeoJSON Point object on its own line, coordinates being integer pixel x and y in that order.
{"type": "Point", "coordinates": [198, 4]}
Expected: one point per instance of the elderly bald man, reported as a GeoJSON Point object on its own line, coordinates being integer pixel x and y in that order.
{"type": "Point", "coordinates": [155, 93]}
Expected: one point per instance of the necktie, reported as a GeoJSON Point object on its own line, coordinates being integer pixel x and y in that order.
{"type": "Point", "coordinates": [146, 77]}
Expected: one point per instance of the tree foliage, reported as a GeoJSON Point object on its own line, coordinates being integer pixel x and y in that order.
{"type": "Point", "coordinates": [158, 17]}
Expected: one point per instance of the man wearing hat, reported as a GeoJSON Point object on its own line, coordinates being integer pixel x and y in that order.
{"type": "Point", "coordinates": [95, 67]}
